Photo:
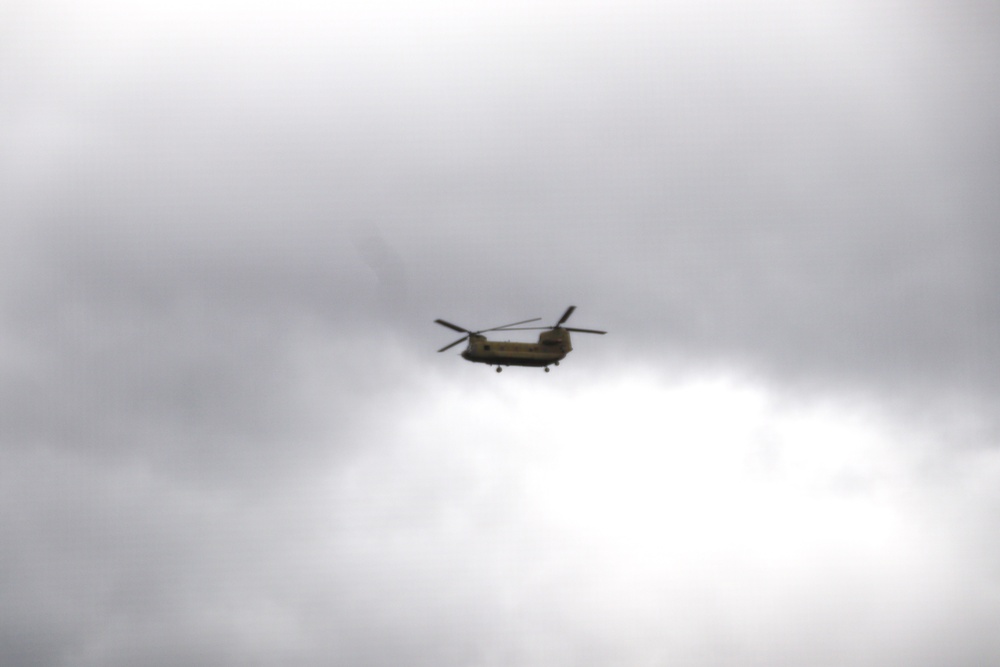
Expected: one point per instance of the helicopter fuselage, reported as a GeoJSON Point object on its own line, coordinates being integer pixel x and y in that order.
{"type": "Point", "coordinates": [552, 346]}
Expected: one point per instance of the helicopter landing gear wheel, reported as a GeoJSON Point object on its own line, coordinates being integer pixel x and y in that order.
{"type": "Point", "coordinates": [556, 363]}
{"type": "Point", "coordinates": [499, 370]}
{"type": "Point", "coordinates": [546, 369]}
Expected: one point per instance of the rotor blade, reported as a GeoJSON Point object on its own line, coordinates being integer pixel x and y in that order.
{"type": "Point", "coordinates": [452, 326]}
{"type": "Point", "coordinates": [453, 344]}
{"type": "Point", "coordinates": [526, 329]}
{"type": "Point", "coordinates": [569, 311]}
{"type": "Point", "coordinates": [585, 330]}
{"type": "Point", "coordinates": [512, 324]}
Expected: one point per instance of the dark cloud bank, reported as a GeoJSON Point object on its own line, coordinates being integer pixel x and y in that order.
{"type": "Point", "coordinates": [225, 436]}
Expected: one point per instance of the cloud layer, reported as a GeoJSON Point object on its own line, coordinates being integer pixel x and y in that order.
{"type": "Point", "coordinates": [226, 438]}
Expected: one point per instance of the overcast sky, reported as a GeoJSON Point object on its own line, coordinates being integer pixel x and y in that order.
{"type": "Point", "coordinates": [226, 437]}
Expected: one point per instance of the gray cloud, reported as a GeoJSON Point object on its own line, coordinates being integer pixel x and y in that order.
{"type": "Point", "coordinates": [226, 436]}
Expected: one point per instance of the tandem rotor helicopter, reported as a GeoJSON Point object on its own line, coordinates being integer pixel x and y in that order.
{"type": "Point", "coordinates": [552, 346]}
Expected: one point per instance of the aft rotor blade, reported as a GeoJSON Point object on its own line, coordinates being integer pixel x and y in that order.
{"type": "Point", "coordinates": [453, 344]}
{"type": "Point", "coordinates": [452, 326]}
{"type": "Point", "coordinates": [512, 324]}
{"type": "Point", "coordinates": [569, 311]}
{"type": "Point", "coordinates": [585, 330]}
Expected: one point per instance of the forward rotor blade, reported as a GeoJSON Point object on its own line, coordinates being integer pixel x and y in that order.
{"type": "Point", "coordinates": [453, 344]}
{"type": "Point", "coordinates": [593, 331]}
{"type": "Point", "coordinates": [452, 326]}
{"type": "Point", "coordinates": [569, 311]}
{"type": "Point", "coordinates": [512, 324]}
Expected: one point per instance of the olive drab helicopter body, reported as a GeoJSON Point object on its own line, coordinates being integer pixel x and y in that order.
{"type": "Point", "coordinates": [553, 344]}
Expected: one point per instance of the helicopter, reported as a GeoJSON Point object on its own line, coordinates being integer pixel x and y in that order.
{"type": "Point", "coordinates": [553, 344]}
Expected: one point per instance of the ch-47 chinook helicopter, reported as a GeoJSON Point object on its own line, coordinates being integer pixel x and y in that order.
{"type": "Point", "coordinates": [552, 346]}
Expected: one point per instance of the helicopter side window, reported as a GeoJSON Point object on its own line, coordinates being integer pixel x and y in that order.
{"type": "Point", "coordinates": [486, 348]}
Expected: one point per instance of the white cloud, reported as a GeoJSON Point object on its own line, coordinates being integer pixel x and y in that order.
{"type": "Point", "coordinates": [224, 429]}
{"type": "Point", "coordinates": [611, 511]}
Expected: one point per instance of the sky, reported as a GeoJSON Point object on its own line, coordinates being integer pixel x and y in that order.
{"type": "Point", "coordinates": [226, 437]}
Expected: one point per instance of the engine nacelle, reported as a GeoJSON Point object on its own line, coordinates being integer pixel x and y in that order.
{"type": "Point", "coordinates": [557, 338]}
